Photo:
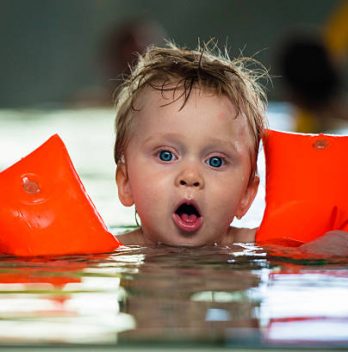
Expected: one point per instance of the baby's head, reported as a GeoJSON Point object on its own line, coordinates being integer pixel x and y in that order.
{"type": "Point", "coordinates": [188, 126]}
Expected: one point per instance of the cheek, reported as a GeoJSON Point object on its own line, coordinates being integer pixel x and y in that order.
{"type": "Point", "coordinates": [229, 192]}
{"type": "Point", "coordinates": [148, 187]}
{"type": "Point", "coordinates": [227, 202]}
{"type": "Point", "coordinates": [143, 192]}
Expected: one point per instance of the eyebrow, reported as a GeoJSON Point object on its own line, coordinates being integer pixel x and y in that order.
{"type": "Point", "coordinates": [164, 136]}
{"type": "Point", "coordinates": [218, 143]}
{"type": "Point", "coordinates": [212, 143]}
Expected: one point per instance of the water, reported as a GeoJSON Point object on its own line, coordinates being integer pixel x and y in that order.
{"type": "Point", "coordinates": [233, 297]}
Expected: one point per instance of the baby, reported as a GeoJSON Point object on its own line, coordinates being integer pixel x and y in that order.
{"type": "Point", "coordinates": [188, 126]}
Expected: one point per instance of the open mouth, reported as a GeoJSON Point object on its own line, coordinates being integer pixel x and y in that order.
{"type": "Point", "coordinates": [187, 217]}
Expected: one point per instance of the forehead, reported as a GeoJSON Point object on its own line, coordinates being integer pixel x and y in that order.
{"type": "Point", "coordinates": [168, 110]}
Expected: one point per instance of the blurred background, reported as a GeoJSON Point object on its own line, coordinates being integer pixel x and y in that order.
{"type": "Point", "coordinates": [58, 52]}
{"type": "Point", "coordinates": [61, 59]}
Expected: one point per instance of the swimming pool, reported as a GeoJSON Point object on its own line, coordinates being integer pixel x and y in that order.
{"type": "Point", "coordinates": [140, 298]}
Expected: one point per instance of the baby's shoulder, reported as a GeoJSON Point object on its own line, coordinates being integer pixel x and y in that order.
{"type": "Point", "coordinates": [239, 235]}
{"type": "Point", "coordinates": [134, 237]}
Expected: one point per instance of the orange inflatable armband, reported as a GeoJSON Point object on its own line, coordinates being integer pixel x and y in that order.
{"type": "Point", "coordinates": [45, 210]}
{"type": "Point", "coordinates": [306, 187]}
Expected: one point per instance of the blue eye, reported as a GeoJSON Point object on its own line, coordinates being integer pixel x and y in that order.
{"type": "Point", "coordinates": [166, 155]}
{"type": "Point", "coordinates": [215, 161]}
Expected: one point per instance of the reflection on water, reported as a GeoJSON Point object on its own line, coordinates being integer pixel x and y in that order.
{"type": "Point", "coordinates": [62, 300]}
{"type": "Point", "coordinates": [197, 294]}
{"type": "Point", "coordinates": [307, 304]}
{"type": "Point", "coordinates": [223, 296]}
{"type": "Point", "coordinates": [217, 296]}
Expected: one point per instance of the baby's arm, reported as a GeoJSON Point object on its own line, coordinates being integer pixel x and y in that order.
{"type": "Point", "coordinates": [333, 243]}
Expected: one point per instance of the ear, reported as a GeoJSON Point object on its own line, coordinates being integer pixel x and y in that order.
{"type": "Point", "coordinates": [249, 196]}
{"type": "Point", "coordinates": [124, 190]}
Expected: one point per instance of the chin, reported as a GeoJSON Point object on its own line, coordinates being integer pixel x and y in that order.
{"type": "Point", "coordinates": [180, 239]}
{"type": "Point", "coordinates": [187, 244]}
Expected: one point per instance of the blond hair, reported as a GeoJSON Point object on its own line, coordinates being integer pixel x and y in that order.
{"type": "Point", "coordinates": [172, 68]}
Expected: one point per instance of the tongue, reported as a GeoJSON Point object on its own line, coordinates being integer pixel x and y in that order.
{"type": "Point", "coordinates": [189, 218]}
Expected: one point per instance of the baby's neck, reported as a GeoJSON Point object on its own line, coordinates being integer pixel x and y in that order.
{"type": "Point", "coordinates": [234, 235]}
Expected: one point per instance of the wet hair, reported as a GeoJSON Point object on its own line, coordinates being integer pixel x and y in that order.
{"type": "Point", "coordinates": [174, 69]}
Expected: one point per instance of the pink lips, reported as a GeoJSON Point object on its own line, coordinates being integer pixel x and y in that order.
{"type": "Point", "coordinates": [190, 221]}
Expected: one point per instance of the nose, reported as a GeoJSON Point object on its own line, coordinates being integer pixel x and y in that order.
{"type": "Point", "coordinates": [190, 177]}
